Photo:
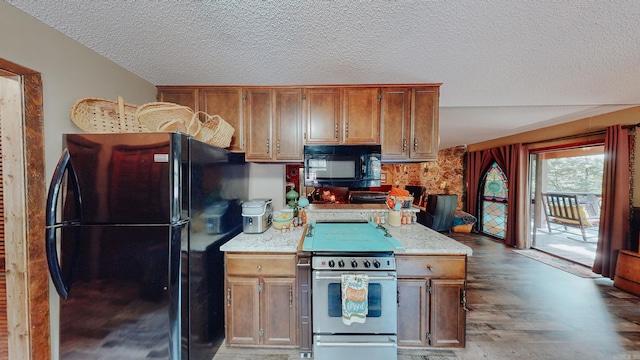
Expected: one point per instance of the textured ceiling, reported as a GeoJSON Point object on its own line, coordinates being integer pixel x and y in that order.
{"type": "Point", "coordinates": [506, 66]}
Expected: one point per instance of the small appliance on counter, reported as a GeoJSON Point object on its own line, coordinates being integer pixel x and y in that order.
{"type": "Point", "coordinates": [257, 215]}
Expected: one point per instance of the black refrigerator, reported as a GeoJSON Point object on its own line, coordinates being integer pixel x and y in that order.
{"type": "Point", "coordinates": [134, 227]}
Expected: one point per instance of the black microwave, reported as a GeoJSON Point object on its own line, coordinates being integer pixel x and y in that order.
{"type": "Point", "coordinates": [354, 166]}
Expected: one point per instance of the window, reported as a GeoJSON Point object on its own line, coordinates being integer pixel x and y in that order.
{"type": "Point", "coordinates": [494, 202]}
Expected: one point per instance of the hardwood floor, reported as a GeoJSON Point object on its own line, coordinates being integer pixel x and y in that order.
{"type": "Point", "coordinates": [520, 308]}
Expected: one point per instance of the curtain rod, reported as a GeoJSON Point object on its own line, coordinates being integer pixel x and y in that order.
{"type": "Point", "coordinates": [569, 137]}
{"type": "Point", "coordinates": [631, 126]}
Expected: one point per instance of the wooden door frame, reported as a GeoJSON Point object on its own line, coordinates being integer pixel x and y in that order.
{"type": "Point", "coordinates": [27, 268]}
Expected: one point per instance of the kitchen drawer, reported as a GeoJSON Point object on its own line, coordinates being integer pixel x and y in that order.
{"type": "Point", "coordinates": [431, 266]}
{"type": "Point", "coordinates": [261, 264]}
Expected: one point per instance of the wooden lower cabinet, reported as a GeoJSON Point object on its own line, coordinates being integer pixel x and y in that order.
{"type": "Point", "coordinates": [243, 311]}
{"type": "Point", "coordinates": [431, 301]}
{"type": "Point", "coordinates": [413, 315]}
{"type": "Point", "coordinates": [278, 316]}
{"type": "Point", "coordinates": [261, 305]}
{"type": "Point", "coordinates": [447, 313]}
{"type": "Point", "coordinates": [263, 292]}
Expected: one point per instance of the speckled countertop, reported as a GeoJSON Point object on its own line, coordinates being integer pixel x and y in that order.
{"type": "Point", "coordinates": [419, 239]}
{"type": "Point", "coordinates": [271, 240]}
{"type": "Point", "coordinates": [416, 239]}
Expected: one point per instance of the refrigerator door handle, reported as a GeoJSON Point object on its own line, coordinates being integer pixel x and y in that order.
{"type": "Point", "coordinates": [64, 165]}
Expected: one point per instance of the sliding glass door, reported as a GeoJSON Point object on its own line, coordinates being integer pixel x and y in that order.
{"type": "Point", "coordinates": [566, 193]}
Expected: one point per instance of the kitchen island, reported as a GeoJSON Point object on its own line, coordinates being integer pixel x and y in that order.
{"type": "Point", "coordinates": [416, 239]}
{"type": "Point", "coordinates": [268, 286]}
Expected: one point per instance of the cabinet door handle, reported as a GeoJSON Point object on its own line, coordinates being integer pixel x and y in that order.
{"type": "Point", "coordinates": [430, 268]}
{"type": "Point", "coordinates": [404, 146]}
{"type": "Point", "coordinates": [336, 130]}
{"type": "Point", "coordinates": [267, 146]}
{"type": "Point", "coordinates": [346, 130]}
{"type": "Point", "coordinates": [278, 146]}
{"type": "Point", "coordinates": [228, 297]}
{"type": "Point", "coordinates": [415, 144]}
{"type": "Point", "coordinates": [290, 298]}
{"type": "Point", "coordinates": [464, 300]}
{"type": "Point", "coordinates": [259, 267]}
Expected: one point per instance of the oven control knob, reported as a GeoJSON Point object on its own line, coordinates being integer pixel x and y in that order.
{"type": "Point", "coordinates": [376, 264]}
{"type": "Point", "coordinates": [366, 263]}
{"type": "Point", "coordinates": [354, 263]}
{"type": "Point", "coordinates": [341, 263]}
{"type": "Point", "coordinates": [332, 263]}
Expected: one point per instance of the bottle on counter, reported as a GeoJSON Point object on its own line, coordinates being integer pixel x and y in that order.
{"type": "Point", "coordinates": [302, 217]}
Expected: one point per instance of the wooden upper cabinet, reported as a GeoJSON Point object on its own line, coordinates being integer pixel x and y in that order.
{"type": "Point", "coordinates": [226, 102]}
{"type": "Point", "coordinates": [410, 124]}
{"type": "Point", "coordinates": [395, 123]}
{"type": "Point", "coordinates": [361, 116]}
{"type": "Point", "coordinates": [322, 107]}
{"type": "Point", "coordinates": [424, 123]}
{"type": "Point", "coordinates": [258, 115]}
{"type": "Point", "coordinates": [183, 96]}
{"type": "Point", "coordinates": [272, 124]}
{"type": "Point", "coordinates": [288, 124]}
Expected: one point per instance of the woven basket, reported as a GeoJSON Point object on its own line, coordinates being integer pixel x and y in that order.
{"type": "Point", "coordinates": [96, 115]}
{"type": "Point", "coordinates": [215, 131]}
{"type": "Point", "coordinates": [167, 117]}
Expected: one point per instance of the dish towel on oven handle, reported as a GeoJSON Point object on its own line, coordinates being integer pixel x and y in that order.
{"type": "Point", "coordinates": [355, 291]}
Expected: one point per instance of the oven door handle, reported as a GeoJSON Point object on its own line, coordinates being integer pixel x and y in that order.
{"type": "Point", "coordinates": [374, 278]}
{"type": "Point", "coordinates": [390, 343]}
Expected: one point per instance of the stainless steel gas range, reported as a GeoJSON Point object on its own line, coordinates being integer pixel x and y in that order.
{"type": "Point", "coordinates": [348, 251]}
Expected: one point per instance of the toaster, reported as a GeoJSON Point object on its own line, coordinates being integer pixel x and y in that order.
{"type": "Point", "coordinates": [256, 216]}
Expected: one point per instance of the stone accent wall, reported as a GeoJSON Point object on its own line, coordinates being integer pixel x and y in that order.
{"type": "Point", "coordinates": [444, 176]}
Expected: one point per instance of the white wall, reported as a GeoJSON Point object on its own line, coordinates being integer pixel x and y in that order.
{"type": "Point", "coordinates": [267, 181]}
{"type": "Point", "coordinates": [69, 71]}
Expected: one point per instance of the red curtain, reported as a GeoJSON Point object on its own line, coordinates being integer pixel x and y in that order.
{"type": "Point", "coordinates": [513, 161]}
{"type": "Point", "coordinates": [613, 234]}
{"type": "Point", "coordinates": [477, 164]}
